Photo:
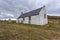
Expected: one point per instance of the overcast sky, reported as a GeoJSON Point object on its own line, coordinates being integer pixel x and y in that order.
{"type": "Point", "coordinates": [13, 8]}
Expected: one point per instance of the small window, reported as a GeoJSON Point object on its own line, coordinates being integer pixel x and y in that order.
{"type": "Point", "coordinates": [23, 18]}
{"type": "Point", "coordinates": [44, 15]}
{"type": "Point", "coordinates": [29, 17]}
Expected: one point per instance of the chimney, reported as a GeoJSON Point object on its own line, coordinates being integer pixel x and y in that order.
{"type": "Point", "coordinates": [21, 13]}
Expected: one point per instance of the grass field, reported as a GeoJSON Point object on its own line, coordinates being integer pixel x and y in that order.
{"type": "Point", "coordinates": [14, 31]}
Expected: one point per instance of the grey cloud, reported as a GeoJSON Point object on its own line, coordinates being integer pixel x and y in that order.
{"type": "Point", "coordinates": [14, 7]}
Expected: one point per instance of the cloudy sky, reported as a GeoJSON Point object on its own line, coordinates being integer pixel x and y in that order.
{"type": "Point", "coordinates": [13, 8]}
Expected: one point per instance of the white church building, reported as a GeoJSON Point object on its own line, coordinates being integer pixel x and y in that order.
{"type": "Point", "coordinates": [36, 17]}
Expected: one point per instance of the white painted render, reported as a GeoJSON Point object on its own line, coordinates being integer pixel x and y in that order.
{"type": "Point", "coordinates": [35, 20]}
{"type": "Point", "coordinates": [26, 20]}
{"type": "Point", "coordinates": [19, 20]}
{"type": "Point", "coordinates": [39, 19]}
{"type": "Point", "coordinates": [43, 20]}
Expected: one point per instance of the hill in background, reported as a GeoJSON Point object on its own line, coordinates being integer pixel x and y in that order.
{"type": "Point", "coordinates": [53, 17]}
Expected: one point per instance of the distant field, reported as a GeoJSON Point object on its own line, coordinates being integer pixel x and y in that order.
{"type": "Point", "coordinates": [54, 17]}
{"type": "Point", "coordinates": [14, 31]}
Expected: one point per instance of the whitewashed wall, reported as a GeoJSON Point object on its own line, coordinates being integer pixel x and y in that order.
{"type": "Point", "coordinates": [39, 19]}
{"type": "Point", "coordinates": [46, 19]}
{"type": "Point", "coordinates": [35, 20]}
{"type": "Point", "coordinates": [26, 20]}
{"type": "Point", "coordinates": [19, 20]}
{"type": "Point", "coordinates": [42, 19]}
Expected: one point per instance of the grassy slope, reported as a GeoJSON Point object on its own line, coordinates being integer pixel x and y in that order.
{"type": "Point", "coordinates": [13, 31]}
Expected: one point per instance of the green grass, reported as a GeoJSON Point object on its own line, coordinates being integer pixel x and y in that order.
{"type": "Point", "coordinates": [14, 31]}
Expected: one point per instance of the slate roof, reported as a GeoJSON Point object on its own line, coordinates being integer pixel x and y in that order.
{"type": "Point", "coordinates": [31, 13]}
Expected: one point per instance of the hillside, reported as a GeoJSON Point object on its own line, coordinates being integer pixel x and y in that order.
{"type": "Point", "coordinates": [53, 17]}
{"type": "Point", "coordinates": [14, 31]}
